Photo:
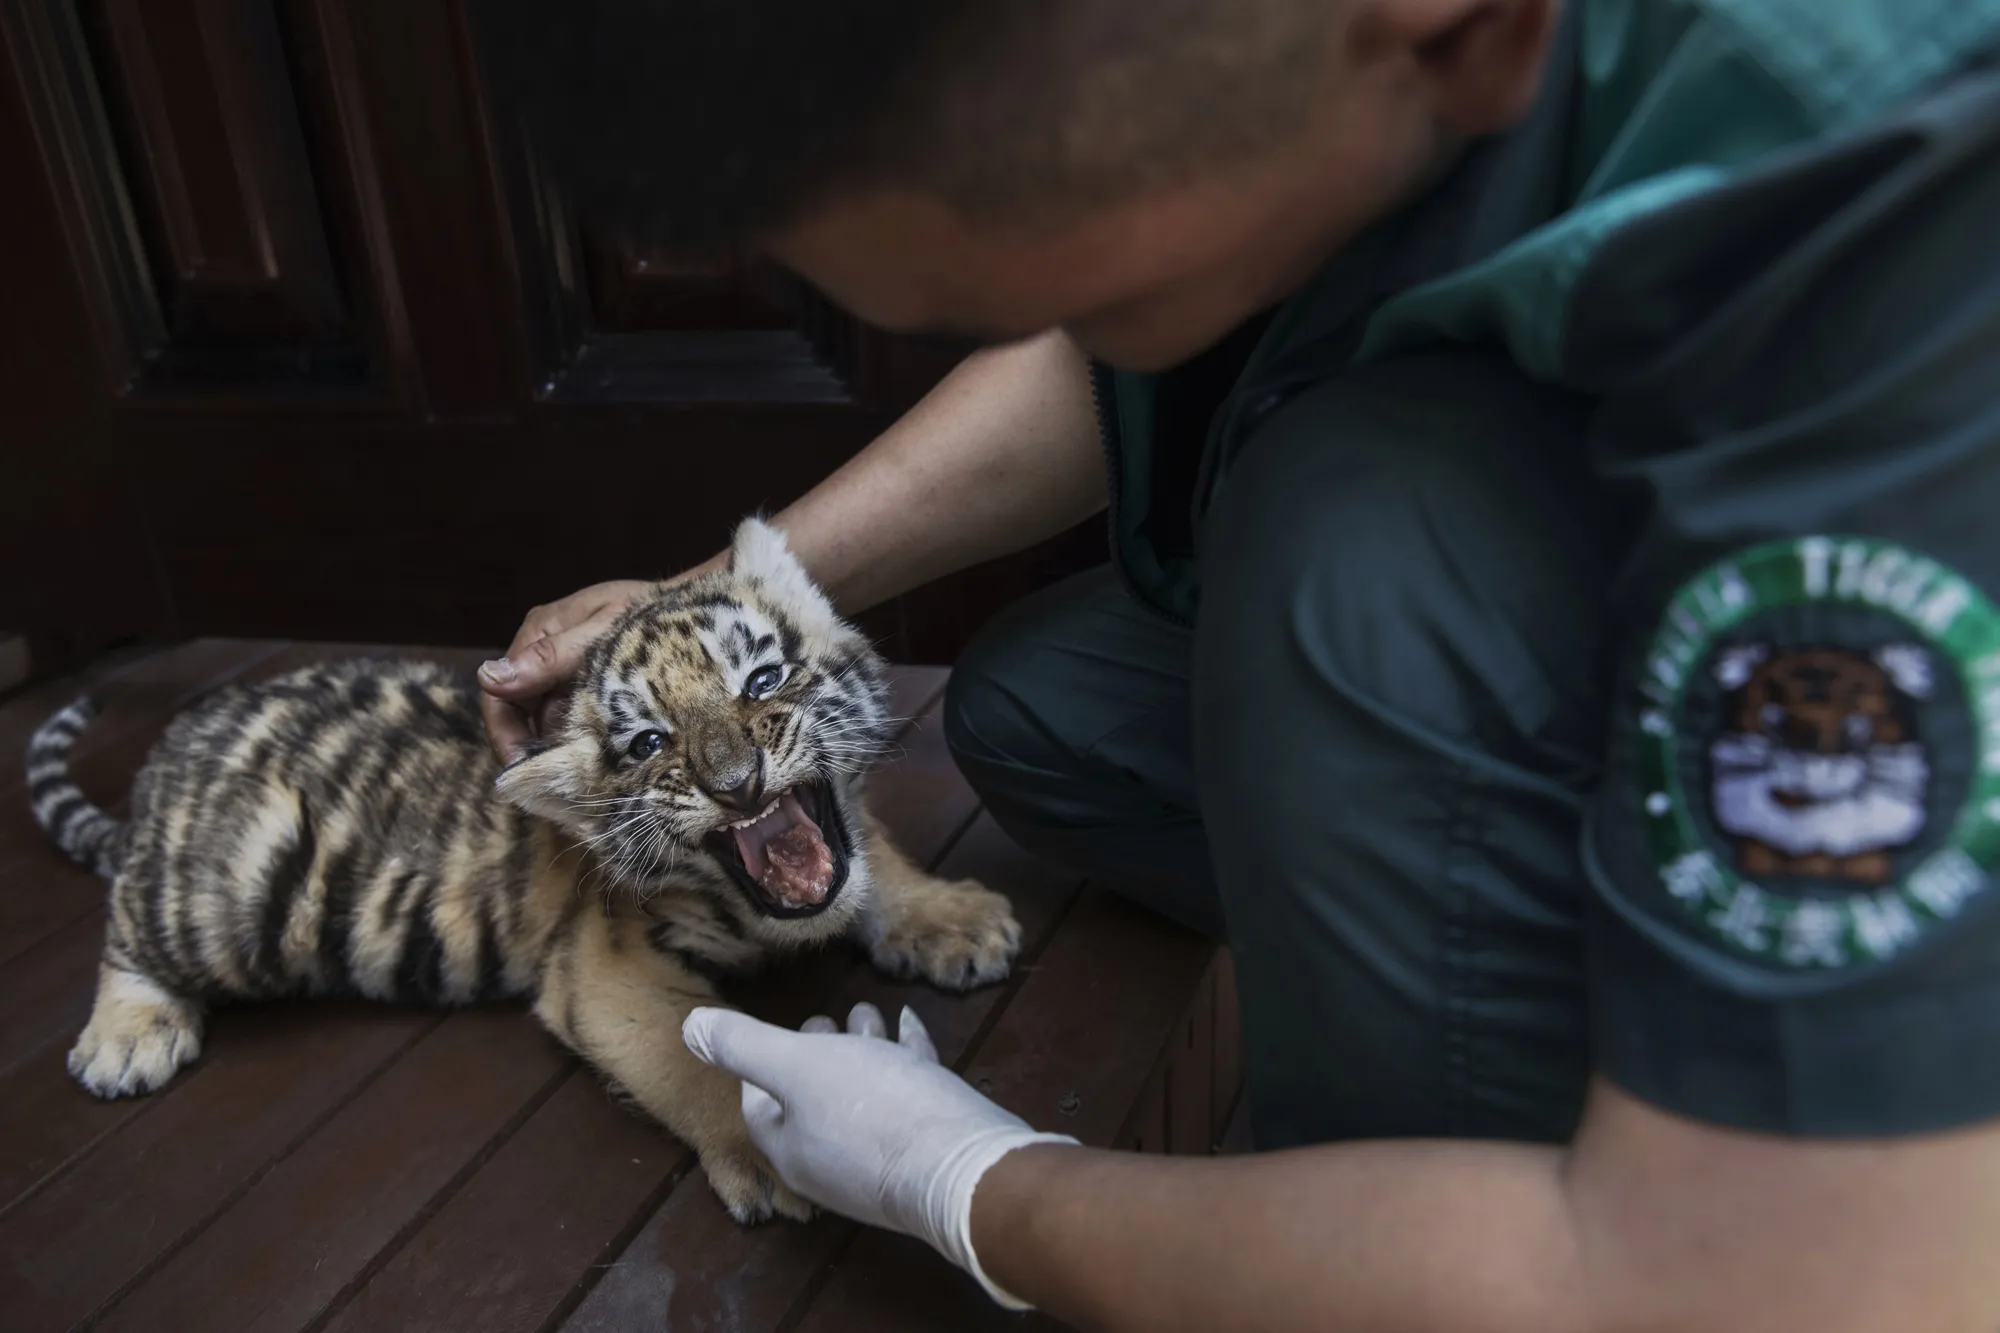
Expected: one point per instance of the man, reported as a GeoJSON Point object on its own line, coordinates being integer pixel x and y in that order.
{"type": "Point", "coordinates": [1553, 458]}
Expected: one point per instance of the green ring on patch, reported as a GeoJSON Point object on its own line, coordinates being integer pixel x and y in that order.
{"type": "Point", "coordinates": [1937, 608]}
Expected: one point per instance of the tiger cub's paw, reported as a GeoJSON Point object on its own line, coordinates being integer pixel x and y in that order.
{"type": "Point", "coordinates": [138, 1035]}
{"type": "Point", "coordinates": [954, 934]}
{"type": "Point", "coordinates": [749, 1188]}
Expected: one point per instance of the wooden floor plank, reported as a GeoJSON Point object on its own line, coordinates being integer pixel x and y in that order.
{"type": "Point", "coordinates": [182, 1156]}
{"type": "Point", "coordinates": [1228, 1093]}
{"type": "Point", "coordinates": [46, 991]}
{"type": "Point", "coordinates": [511, 1245]}
{"type": "Point", "coordinates": [39, 895]}
{"type": "Point", "coordinates": [886, 1283]}
{"type": "Point", "coordinates": [932, 802]}
{"type": "Point", "coordinates": [316, 1220]}
{"type": "Point", "coordinates": [1073, 1050]}
{"type": "Point", "coordinates": [498, 1256]}
{"type": "Point", "coordinates": [1070, 1054]}
{"type": "Point", "coordinates": [1194, 1121]}
{"type": "Point", "coordinates": [690, 1267]}
{"type": "Point", "coordinates": [45, 1120]}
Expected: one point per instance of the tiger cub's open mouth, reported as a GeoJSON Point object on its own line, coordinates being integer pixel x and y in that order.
{"type": "Point", "coordinates": [791, 858]}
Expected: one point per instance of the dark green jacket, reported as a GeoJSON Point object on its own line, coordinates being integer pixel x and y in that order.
{"type": "Point", "coordinates": [1654, 110]}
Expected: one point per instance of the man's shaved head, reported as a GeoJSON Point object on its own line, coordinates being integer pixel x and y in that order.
{"type": "Point", "coordinates": [697, 122]}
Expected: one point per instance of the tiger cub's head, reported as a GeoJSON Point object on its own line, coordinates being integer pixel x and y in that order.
{"type": "Point", "coordinates": [716, 740]}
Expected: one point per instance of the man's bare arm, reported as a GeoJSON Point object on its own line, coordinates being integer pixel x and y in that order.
{"type": "Point", "coordinates": [1649, 1224]}
{"type": "Point", "coordinates": [1002, 454]}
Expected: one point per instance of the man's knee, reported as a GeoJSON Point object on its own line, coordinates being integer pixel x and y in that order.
{"type": "Point", "coordinates": [1417, 543]}
{"type": "Point", "coordinates": [1054, 680]}
{"type": "Point", "coordinates": [1071, 709]}
{"type": "Point", "coordinates": [996, 718]}
{"type": "Point", "coordinates": [1070, 718]}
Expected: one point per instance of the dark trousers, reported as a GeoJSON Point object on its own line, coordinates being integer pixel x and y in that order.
{"type": "Point", "coordinates": [1366, 766]}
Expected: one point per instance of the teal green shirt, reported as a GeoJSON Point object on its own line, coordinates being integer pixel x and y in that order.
{"type": "Point", "coordinates": [1675, 97]}
{"type": "Point", "coordinates": [1654, 103]}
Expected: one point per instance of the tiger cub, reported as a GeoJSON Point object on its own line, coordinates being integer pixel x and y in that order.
{"type": "Point", "coordinates": [344, 829]}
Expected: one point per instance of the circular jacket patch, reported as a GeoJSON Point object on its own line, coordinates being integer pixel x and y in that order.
{"type": "Point", "coordinates": [1819, 752]}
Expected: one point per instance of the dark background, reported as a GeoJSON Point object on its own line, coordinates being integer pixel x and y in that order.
{"type": "Point", "coordinates": [298, 341]}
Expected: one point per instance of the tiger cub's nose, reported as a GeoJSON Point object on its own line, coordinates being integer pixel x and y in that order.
{"type": "Point", "coordinates": [745, 796]}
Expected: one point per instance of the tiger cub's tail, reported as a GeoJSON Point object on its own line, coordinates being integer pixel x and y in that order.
{"type": "Point", "coordinates": [88, 836]}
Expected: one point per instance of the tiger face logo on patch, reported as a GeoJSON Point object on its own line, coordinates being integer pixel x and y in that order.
{"type": "Point", "coordinates": [1819, 750]}
{"type": "Point", "coordinates": [1821, 772]}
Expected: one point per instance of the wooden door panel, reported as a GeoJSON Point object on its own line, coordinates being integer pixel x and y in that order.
{"type": "Point", "coordinates": [56, 83]}
{"type": "Point", "coordinates": [449, 532]}
{"type": "Point", "coordinates": [611, 322]}
{"type": "Point", "coordinates": [75, 567]}
{"type": "Point", "coordinates": [172, 133]}
{"type": "Point", "coordinates": [208, 125]}
{"type": "Point", "coordinates": [634, 288]}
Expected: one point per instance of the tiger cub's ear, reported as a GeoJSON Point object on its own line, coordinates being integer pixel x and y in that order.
{"type": "Point", "coordinates": [759, 553]}
{"type": "Point", "coordinates": [550, 779]}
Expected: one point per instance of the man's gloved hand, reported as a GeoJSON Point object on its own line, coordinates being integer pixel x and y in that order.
{"type": "Point", "coordinates": [874, 1129]}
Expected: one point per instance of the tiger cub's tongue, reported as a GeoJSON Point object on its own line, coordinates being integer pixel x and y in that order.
{"type": "Point", "coordinates": [786, 853]}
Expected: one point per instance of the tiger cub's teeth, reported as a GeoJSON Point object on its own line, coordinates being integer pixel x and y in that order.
{"type": "Point", "coordinates": [761, 814]}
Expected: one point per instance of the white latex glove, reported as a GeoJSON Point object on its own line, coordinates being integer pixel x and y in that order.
{"type": "Point", "coordinates": [874, 1129]}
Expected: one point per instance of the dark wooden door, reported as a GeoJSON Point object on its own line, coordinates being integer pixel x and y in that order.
{"type": "Point", "coordinates": [300, 341]}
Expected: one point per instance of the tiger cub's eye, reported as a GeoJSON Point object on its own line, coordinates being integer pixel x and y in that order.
{"type": "Point", "coordinates": [645, 745]}
{"type": "Point", "coordinates": [762, 681]}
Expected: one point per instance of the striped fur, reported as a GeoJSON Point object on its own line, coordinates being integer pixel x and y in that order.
{"type": "Point", "coordinates": [88, 836]}
{"type": "Point", "coordinates": [344, 830]}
